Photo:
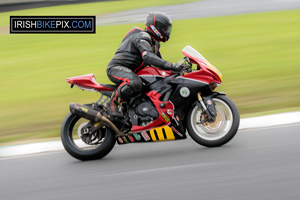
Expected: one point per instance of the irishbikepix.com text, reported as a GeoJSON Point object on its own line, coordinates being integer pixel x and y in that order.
{"type": "Point", "coordinates": [52, 24]}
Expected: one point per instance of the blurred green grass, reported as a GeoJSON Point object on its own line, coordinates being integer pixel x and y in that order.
{"type": "Point", "coordinates": [257, 54]}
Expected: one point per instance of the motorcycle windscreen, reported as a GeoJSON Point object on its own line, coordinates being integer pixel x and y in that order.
{"type": "Point", "coordinates": [195, 55]}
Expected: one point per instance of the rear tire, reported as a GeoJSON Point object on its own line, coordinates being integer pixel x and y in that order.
{"type": "Point", "coordinates": [88, 152]}
{"type": "Point", "coordinates": [222, 130]}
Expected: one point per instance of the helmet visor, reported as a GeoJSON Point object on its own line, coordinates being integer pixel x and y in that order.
{"type": "Point", "coordinates": [164, 29]}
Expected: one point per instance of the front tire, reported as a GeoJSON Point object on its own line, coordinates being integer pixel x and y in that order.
{"type": "Point", "coordinates": [219, 132]}
{"type": "Point", "coordinates": [77, 148]}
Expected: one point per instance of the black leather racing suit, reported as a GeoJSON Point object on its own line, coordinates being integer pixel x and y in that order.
{"type": "Point", "coordinates": [136, 51]}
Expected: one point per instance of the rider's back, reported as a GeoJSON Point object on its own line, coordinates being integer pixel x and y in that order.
{"type": "Point", "coordinates": [128, 54]}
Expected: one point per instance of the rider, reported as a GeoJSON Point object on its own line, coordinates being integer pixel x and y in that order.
{"type": "Point", "coordinates": [138, 49]}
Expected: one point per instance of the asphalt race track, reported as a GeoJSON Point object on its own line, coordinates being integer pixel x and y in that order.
{"type": "Point", "coordinates": [256, 164]}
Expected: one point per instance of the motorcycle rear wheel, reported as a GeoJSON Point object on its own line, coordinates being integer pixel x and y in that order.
{"type": "Point", "coordinates": [74, 145]}
{"type": "Point", "coordinates": [219, 132]}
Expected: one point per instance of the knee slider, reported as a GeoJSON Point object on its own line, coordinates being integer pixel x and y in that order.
{"type": "Point", "coordinates": [136, 84]}
{"type": "Point", "coordinates": [126, 91]}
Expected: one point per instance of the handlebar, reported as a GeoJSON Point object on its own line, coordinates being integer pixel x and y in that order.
{"type": "Point", "coordinates": [186, 65]}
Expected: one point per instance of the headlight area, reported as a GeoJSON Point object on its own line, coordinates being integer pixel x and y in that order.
{"type": "Point", "coordinates": [213, 85]}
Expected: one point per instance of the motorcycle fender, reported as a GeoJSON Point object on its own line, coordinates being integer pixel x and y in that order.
{"type": "Point", "coordinates": [209, 102]}
{"type": "Point", "coordinates": [217, 93]}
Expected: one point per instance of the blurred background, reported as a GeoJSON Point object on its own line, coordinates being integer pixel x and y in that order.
{"type": "Point", "coordinates": [255, 46]}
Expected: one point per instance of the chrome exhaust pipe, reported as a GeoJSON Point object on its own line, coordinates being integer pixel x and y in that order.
{"type": "Point", "coordinates": [93, 115]}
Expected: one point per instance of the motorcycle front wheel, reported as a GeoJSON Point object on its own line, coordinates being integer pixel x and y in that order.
{"type": "Point", "coordinates": [218, 132]}
{"type": "Point", "coordinates": [85, 145]}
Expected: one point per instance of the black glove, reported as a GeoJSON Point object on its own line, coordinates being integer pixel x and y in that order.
{"type": "Point", "coordinates": [176, 67]}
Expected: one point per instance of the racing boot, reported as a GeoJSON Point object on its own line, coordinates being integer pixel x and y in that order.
{"type": "Point", "coordinates": [112, 106]}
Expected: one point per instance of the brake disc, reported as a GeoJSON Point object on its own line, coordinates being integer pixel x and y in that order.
{"type": "Point", "coordinates": [87, 135]}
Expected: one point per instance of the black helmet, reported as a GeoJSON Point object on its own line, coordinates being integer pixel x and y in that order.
{"type": "Point", "coordinates": [159, 25]}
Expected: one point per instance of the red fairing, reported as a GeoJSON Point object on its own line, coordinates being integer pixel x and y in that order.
{"type": "Point", "coordinates": [166, 113]}
{"type": "Point", "coordinates": [148, 71]}
{"type": "Point", "coordinates": [205, 74]}
{"type": "Point", "coordinates": [87, 82]}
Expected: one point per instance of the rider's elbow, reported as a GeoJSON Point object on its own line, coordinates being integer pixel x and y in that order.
{"type": "Point", "coordinates": [145, 56]}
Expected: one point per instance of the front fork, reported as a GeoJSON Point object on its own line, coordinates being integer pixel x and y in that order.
{"type": "Point", "coordinates": [209, 110]}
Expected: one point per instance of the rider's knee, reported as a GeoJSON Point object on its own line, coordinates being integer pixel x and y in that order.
{"type": "Point", "coordinates": [136, 84]}
{"type": "Point", "coordinates": [126, 90]}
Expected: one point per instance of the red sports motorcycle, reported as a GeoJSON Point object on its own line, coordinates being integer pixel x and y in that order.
{"type": "Point", "coordinates": [170, 105]}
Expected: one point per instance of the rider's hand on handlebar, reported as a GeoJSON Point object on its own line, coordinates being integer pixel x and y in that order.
{"type": "Point", "coordinates": [176, 67]}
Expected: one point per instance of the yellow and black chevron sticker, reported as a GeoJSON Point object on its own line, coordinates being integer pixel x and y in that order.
{"type": "Point", "coordinates": [162, 134]}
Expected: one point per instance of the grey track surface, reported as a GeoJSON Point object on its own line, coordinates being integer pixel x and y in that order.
{"type": "Point", "coordinates": [256, 164]}
{"type": "Point", "coordinates": [205, 8]}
